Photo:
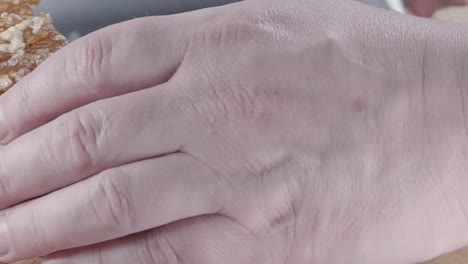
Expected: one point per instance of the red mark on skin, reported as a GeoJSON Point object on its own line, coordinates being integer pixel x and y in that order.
{"type": "Point", "coordinates": [359, 105]}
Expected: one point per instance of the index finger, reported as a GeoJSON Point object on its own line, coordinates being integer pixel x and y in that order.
{"type": "Point", "coordinates": [119, 59]}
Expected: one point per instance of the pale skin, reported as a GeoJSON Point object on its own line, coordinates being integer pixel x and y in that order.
{"type": "Point", "coordinates": [264, 131]}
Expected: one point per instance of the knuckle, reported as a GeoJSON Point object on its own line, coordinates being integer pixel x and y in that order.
{"type": "Point", "coordinates": [89, 61]}
{"type": "Point", "coordinates": [22, 97]}
{"type": "Point", "coordinates": [7, 122]}
{"type": "Point", "coordinates": [111, 204]}
{"type": "Point", "coordinates": [234, 103]}
{"type": "Point", "coordinates": [231, 32]}
{"type": "Point", "coordinates": [244, 102]}
{"type": "Point", "coordinates": [158, 250]}
{"type": "Point", "coordinates": [74, 143]}
{"type": "Point", "coordinates": [37, 239]}
{"type": "Point", "coordinates": [224, 103]}
{"type": "Point", "coordinates": [9, 112]}
{"type": "Point", "coordinates": [222, 98]}
{"type": "Point", "coordinates": [229, 27]}
{"type": "Point", "coordinates": [5, 185]}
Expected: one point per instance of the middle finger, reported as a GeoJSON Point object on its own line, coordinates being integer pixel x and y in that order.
{"type": "Point", "coordinates": [93, 138]}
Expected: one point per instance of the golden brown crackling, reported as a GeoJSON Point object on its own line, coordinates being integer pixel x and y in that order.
{"type": "Point", "coordinates": [37, 37]}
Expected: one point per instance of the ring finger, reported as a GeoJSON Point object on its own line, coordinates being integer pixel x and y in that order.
{"type": "Point", "coordinates": [103, 135]}
{"type": "Point", "coordinates": [113, 204]}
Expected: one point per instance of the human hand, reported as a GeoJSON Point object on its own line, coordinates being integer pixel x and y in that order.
{"type": "Point", "coordinates": [259, 132]}
{"type": "Point", "coordinates": [426, 8]}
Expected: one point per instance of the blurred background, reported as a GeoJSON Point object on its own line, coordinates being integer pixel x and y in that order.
{"type": "Point", "coordinates": [76, 18]}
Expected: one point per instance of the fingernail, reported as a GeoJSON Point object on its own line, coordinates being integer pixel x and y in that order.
{"type": "Point", "coordinates": [4, 238]}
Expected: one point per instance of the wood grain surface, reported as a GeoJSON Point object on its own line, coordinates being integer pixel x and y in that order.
{"type": "Point", "coordinates": [458, 257]}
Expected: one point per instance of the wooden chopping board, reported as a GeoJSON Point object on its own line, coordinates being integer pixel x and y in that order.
{"type": "Point", "coordinates": [459, 257]}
